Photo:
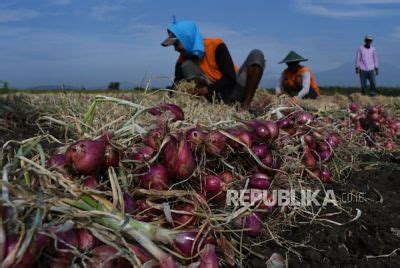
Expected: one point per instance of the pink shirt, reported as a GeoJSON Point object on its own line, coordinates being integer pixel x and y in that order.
{"type": "Point", "coordinates": [366, 58]}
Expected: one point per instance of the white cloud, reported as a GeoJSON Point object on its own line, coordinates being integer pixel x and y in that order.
{"type": "Point", "coordinates": [11, 15]}
{"type": "Point", "coordinates": [396, 32]}
{"type": "Point", "coordinates": [349, 8]}
{"type": "Point", "coordinates": [6, 31]}
{"type": "Point", "coordinates": [363, 2]}
{"type": "Point", "coordinates": [61, 2]}
{"type": "Point", "coordinates": [104, 11]}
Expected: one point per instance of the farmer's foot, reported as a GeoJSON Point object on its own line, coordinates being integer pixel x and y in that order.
{"type": "Point", "coordinates": [372, 94]}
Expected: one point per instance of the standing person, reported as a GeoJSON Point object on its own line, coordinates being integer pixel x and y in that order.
{"type": "Point", "coordinates": [209, 62]}
{"type": "Point", "coordinates": [367, 65]}
{"type": "Point", "coordinates": [296, 80]}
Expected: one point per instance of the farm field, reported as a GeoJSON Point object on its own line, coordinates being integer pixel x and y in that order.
{"type": "Point", "coordinates": [117, 209]}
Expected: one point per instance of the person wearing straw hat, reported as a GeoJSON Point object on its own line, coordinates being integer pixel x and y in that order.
{"type": "Point", "coordinates": [208, 62]}
{"type": "Point", "coordinates": [367, 65]}
{"type": "Point", "coordinates": [296, 80]}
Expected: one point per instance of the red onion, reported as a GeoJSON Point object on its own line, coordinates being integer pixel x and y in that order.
{"type": "Point", "coordinates": [130, 204]}
{"type": "Point", "coordinates": [156, 177]}
{"type": "Point", "coordinates": [65, 240]}
{"type": "Point", "coordinates": [326, 175]}
{"type": "Point", "coordinates": [372, 110]}
{"type": "Point", "coordinates": [358, 126]}
{"type": "Point", "coordinates": [141, 254]}
{"type": "Point", "coordinates": [325, 155]}
{"type": "Point", "coordinates": [375, 117]}
{"type": "Point", "coordinates": [184, 219]}
{"type": "Point", "coordinates": [195, 136]}
{"type": "Point", "coordinates": [215, 143]}
{"type": "Point", "coordinates": [226, 176]}
{"type": "Point", "coordinates": [213, 188]}
{"type": "Point", "coordinates": [284, 123]}
{"type": "Point", "coordinates": [268, 160]}
{"type": "Point", "coordinates": [240, 134]}
{"type": "Point", "coordinates": [310, 140]}
{"type": "Point", "coordinates": [304, 118]}
{"type": "Point", "coordinates": [188, 243]}
{"type": "Point", "coordinates": [156, 111]}
{"type": "Point", "coordinates": [86, 156]}
{"type": "Point", "coordinates": [273, 129]}
{"type": "Point", "coordinates": [259, 181]}
{"type": "Point", "coordinates": [154, 138]}
{"type": "Point", "coordinates": [251, 223]}
{"type": "Point", "coordinates": [106, 138]}
{"type": "Point", "coordinates": [112, 156]}
{"type": "Point", "coordinates": [334, 140]}
{"type": "Point", "coordinates": [145, 212]}
{"type": "Point", "coordinates": [87, 240]}
{"type": "Point", "coordinates": [268, 204]}
{"type": "Point", "coordinates": [106, 257]}
{"type": "Point", "coordinates": [323, 146]}
{"type": "Point", "coordinates": [262, 131]}
{"type": "Point", "coordinates": [390, 145]}
{"type": "Point", "coordinates": [91, 182]}
{"type": "Point", "coordinates": [31, 254]}
{"type": "Point", "coordinates": [260, 150]}
{"type": "Point", "coordinates": [308, 159]}
{"type": "Point", "coordinates": [142, 154]}
{"type": "Point", "coordinates": [57, 161]}
{"type": "Point", "coordinates": [173, 111]}
{"type": "Point", "coordinates": [209, 258]}
{"type": "Point", "coordinates": [178, 159]}
{"type": "Point", "coordinates": [354, 107]}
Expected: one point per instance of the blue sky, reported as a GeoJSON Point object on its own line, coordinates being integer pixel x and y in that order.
{"type": "Point", "coordinates": [93, 42]}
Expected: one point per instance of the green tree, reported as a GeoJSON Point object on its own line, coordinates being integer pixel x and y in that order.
{"type": "Point", "coordinates": [5, 88]}
{"type": "Point", "coordinates": [114, 86]}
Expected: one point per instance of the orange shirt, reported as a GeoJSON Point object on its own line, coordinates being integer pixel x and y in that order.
{"type": "Point", "coordinates": [293, 77]}
{"type": "Point", "coordinates": [208, 63]}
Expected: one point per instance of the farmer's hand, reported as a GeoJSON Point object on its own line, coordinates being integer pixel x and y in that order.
{"type": "Point", "coordinates": [376, 71]}
{"type": "Point", "coordinates": [357, 70]}
{"type": "Point", "coordinates": [202, 91]}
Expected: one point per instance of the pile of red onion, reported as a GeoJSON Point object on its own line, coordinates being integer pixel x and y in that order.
{"type": "Point", "coordinates": [175, 176]}
{"type": "Point", "coordinates": [377, 123]}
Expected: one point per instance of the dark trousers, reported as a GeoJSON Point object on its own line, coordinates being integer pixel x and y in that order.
{"type": "Point", "coordinates": [367, 76]}
{"type": "Point", "coordinates": [192, 70]}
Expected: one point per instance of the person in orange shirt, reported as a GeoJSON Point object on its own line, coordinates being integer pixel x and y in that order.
{"type": "Point", "coordinates": [209, 63]}
{"type": "Point", "coordinates": [296, 80]}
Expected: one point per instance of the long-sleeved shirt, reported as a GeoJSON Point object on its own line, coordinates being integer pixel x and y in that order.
{"type": "Point", "coordinates": [306, 78]}
{"type": "Point", "coordinates": [366, 58]}
{"type": "Point", "coordinates": [225, 65]}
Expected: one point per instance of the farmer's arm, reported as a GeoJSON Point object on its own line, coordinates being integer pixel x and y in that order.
{"type": "Point", "coordinates": [306, 77]}
{"type": "Point", "coordinates": [226, 67]}
{"type": "Point", "coordinates": [375, 61]}
{"type": "Point", "coordinates": [178, 72]}
{"type": "Point", "coordinates": [358, 59]}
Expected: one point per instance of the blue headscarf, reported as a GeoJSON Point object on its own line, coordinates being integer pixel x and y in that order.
{"type": "Point", "coordinates": [190, 37]}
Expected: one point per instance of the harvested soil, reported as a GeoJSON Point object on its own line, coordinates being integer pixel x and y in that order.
{"type": "Point", "coordinates": [375, 233]}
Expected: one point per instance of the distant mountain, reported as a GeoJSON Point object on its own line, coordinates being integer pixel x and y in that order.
{"type": "Point", "coordinates": [52, 87]}
{"type": "Point", "coordinates": [345, 75]}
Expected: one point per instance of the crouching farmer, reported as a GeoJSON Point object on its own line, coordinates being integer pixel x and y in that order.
{"type": "Point", "coordinates": [296, 80]}
{"type": "Point", "coordinates": [209, 63]}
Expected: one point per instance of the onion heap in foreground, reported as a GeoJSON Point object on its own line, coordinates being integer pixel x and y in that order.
{"type": "Point", "coordinates": [158, 198]}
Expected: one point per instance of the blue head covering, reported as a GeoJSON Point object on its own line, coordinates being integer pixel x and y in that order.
{"type": "Point", "coordinates": [190, 37]}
